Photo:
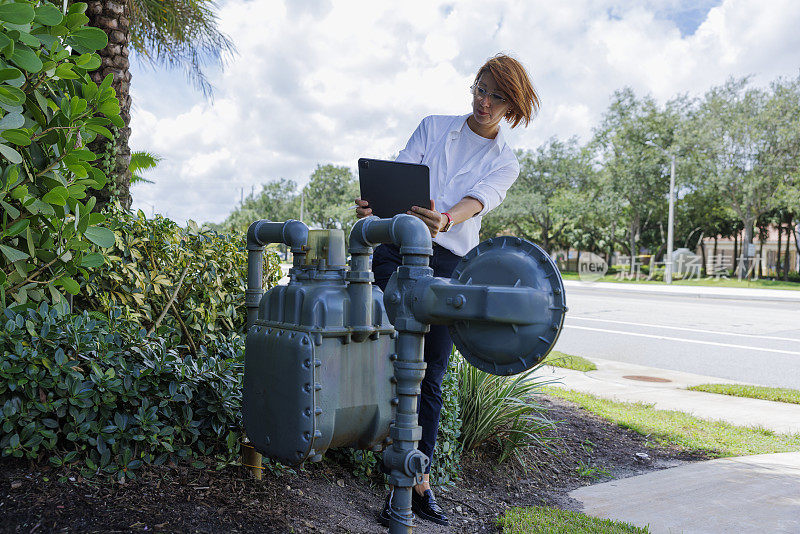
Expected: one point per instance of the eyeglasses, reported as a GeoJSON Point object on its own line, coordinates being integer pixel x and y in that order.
{"type": "Point", "coordinates": [480, 93]}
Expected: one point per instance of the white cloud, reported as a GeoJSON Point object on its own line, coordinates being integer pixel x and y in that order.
{"type": "Point", "coordinates": [320, 82]}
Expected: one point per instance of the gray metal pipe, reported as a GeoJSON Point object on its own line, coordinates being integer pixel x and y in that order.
{"type": "Point", "coordinates": [292, 233]}
{"type": "Point", "coordinates": [402, 458]}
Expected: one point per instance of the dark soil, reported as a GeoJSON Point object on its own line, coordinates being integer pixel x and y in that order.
{"type": "Point", "coordinates": [326, 497]}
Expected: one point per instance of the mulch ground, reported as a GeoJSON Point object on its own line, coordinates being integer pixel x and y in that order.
{"type": "Point", "coordinates": [326, 497]}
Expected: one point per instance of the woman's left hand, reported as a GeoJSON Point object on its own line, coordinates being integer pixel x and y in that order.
{"type": "Point", "coordinates": [434, 220]}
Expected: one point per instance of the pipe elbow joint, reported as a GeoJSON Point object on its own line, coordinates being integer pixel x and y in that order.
{"type": "Point", "coordinates": [411, 235]}
{"type": "Point", "coordinates": [359, 242]}
{"type": "Point", "coordinates": [292, 232]}
{"type": "Point", "coordinates": [295, 234]}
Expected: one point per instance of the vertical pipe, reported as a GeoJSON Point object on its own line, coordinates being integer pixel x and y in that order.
{"type": "Point", "coordinates": [403, 459]}
{"type": "Point", "coordinates": [292, 233]}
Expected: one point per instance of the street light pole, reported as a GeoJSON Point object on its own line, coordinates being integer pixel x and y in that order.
{"type": "Point", "coordinates": [671, 222]}
{"type": "Point", "coordinates": [668, 265]}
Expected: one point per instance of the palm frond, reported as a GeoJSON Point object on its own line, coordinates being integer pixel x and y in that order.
{"type": "Point", "coordinates": [180, 34]}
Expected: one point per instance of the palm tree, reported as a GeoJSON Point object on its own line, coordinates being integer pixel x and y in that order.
{"type": "Point", "coordinates": [180, 34]}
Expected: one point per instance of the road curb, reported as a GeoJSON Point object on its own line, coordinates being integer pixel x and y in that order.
{"type": "Point", "coordinates": [772, 295]}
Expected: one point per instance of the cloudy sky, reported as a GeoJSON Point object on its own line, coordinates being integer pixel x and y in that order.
{"type": "Point", "coordinates": [330, 81]}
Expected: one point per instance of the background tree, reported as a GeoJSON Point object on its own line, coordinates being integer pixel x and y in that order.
{"type": "Point", "coordinates": [279, 200]}
{"type": "Point", "coordinates": [748, 149]}
{"type": "Point", "coordinates": [637, 172]}
{"type": "Point", "coordinates": [329, 197]}
{"type": "Point", "coordinates": [178, 33]}
{"type": "Point", "coordinates": [540, 204]}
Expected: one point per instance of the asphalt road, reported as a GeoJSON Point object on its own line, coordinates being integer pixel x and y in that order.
{"type": "Point", "coordinates": [751, 341]}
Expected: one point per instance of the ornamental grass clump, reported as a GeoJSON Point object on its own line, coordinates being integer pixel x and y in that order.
{"type": "Point", "coordinates": [502, 410]}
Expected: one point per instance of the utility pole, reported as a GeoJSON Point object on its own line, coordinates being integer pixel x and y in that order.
{"type": "Point", "coordinates": [671, 222]}
{"type": "Point", "coordinates": [302, 203]}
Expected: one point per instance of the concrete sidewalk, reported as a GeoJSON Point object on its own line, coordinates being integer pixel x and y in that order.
{"type": "Point", "coordinates": [708, 292]}
{"type": "Point", "coordinates": [731, 495]}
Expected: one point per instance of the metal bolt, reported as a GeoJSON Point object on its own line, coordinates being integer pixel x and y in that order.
{"type": "Point", "coordinates": [392, 357]}
{"type": "Point", "coordinates": [395, 401]}
{"type": "Point", "coordinates": [306, 341]}
{"type": "Point", "coordinates": [307, 363]}
{"type": "Point", "coordinates": [307, 412]}
{"type": "Point", "coordinates": [307, 388]}
{"type": "Point", "coordinates": [459, 301]}
{"type": "Point", "coordinates": [307, 436]}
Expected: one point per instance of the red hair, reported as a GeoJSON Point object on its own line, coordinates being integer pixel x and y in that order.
{"type": "Point", "coordinates": [513, 80]}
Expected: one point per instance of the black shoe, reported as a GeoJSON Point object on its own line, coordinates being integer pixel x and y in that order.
{"type": "Point", "coordinates": [426, 507]}
{"type": "Point", "coordinates": [385, 517]}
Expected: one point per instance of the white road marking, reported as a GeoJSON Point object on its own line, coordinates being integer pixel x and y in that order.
{"type": "Point", "coordinates": [776, 338]}
{"type": "Point", "coordinates": [683, 340]}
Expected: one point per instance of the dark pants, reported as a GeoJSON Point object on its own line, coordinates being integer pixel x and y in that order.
{"type": "Point", "coordinates": [437, 342]}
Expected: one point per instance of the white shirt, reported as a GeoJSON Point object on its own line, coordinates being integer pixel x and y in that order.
{"type": "Point", "coordinates": [460, 166]}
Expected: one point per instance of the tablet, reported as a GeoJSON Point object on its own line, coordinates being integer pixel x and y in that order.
{"type": "Point", "coordinates": [391, 187]}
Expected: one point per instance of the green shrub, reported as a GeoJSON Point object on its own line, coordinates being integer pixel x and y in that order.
{"type": "Point", "coordinates": [447, 453]}
{"type": "Point", "coordinates": [501, 409]}
{"type": "Point", "coordinates": [100, 396]}
{"type": "Point", "coordinates": [49, 111]}
{"type": "Point", "coordinates": [165, 278]}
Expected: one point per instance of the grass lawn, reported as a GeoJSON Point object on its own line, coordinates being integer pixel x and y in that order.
{"type": "Point", "coordinates": [554, 521]}
{"type": "Point", "coordinates": [692, 433]}
{"type": "Point", "coordinates": [711, 282]}
{"type": "Point", "coordinates": [752, 392]}
{"type": "Point", "coordinates": [567, 361]}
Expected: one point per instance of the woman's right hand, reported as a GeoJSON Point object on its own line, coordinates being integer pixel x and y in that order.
{"type": "Point", "coordinates": [362, 208]}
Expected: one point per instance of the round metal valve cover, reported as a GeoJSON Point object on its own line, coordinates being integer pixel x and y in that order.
{"type": "Point", "coordinates": [508, 349]}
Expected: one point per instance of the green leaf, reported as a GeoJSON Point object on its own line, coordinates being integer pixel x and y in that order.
{"type": "Point", "coordinates": [11, 210]}
{"type": "Point", "coordinates": [100, 130]}
{"type": "Point", "coordinates": [12, 120]}
{"type": "Point", "coordinates": [57, 196]}
{"type": "Point", "coordinates": [17, 13]}
{"type": "Point", "coordinates": [10, 154]}
{"type": "Point", "coordinates": [11, 95]}
{"type": "Point", "coordinates": [27, 59]}
{"type": "Point", "coordinates": [75, 20]}
{"type": "Point", "coordinates": [17, 228]}
{"type": "Point", "coordinates": [88, 62]}
{"type": "Point", "coordinates": [29, 39]}
{"type": "Point", "coordinates": [76, 191]}
{"type": "Point", "coordinates": [106, 83]}
{"type": "Point", "coordinates": [84, 154]}
{"type": "Point", "coordinates": [18, 137]}
{"type": "Point", "coordinates": [69, 284]}
{"type": "Point", "coordinates": [109, 108]}
{"type": "Point", "coordinates": [12, 254]}
{"type": "Point", "coordinates": [92, 260]}
{"type": "Point", "coordinates": [48, 14]}
{"type": "Point", "coordinates": [77, 7]}
{"type": "Point", "coordinates": [11, 73]}
{"type": "Point", "coordinates": [65, 72]}
{"type": "Point", "coordinates": [88, 39]}
{"type": "Point", "coordinates": [100, 236]}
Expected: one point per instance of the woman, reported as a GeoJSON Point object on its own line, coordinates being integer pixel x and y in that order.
{"type": "Point", "coordinates": [471, 168]}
